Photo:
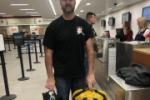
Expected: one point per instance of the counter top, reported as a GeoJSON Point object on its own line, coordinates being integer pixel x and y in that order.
{"type": "Point", "coordinates": [143, 50]}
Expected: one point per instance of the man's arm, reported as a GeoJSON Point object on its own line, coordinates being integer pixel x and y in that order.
{"type": "Point", "coordinates": [90, 52]}
{"type": "Point", "coordinates": [48, 62]}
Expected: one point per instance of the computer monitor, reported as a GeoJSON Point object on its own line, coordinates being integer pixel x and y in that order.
{"type": "Point", "coordinates": [120, 34]}
{"type": "Point", "coordinates": [111, 21]}
{"type": "Point", "coordinates": [126, 17]}
{"type": "Point", "coordinates": [146, 13]}
{"type": "Point", "coordinates": [103, 23]}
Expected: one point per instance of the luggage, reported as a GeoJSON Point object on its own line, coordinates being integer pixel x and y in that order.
{"type": "Point", "coordinates": [135, 74]}
{"type": "Point", "coordinates": [82, 94]}
{"type": "Point", "coordinates": [50, 96]}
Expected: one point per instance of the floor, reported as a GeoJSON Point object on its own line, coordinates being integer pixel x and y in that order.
{"type": "Point", "coordinates": [25, 90]}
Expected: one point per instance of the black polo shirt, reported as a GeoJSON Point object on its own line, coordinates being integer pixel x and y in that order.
{"type": "Point", "coordinates": [67, 39]}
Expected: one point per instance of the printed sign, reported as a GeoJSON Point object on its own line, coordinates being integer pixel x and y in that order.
{"type": "Point", "coordinates": [2, 47]}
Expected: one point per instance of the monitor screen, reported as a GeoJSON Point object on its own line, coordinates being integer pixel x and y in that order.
{"type": "Point", "coordinates": [120, 34]}
{"type": "Point", "coordinates": [111, 21]}
{"type": "Point", "coordinates": [126, 17]}
{"type": "Point", "coordinates": [146, 13]}
{"type": "Point", "coordinates": [103, 23]}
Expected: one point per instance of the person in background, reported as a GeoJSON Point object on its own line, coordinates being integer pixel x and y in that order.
{"type": "Point", "coordinates": [65, 41]}
{"type": "Point", "coordinates": [143, 29]}
{"type": "Point", "coordinates": [128, 34]}
{"type": "Point", "coordinates": [91, 19]}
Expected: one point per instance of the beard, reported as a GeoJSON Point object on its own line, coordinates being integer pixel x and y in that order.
{"type": "Point", "coordinates": [68, 9]}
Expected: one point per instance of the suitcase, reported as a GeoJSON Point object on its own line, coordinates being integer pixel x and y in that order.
{"type": "Point", "coordinates": [83, 94]}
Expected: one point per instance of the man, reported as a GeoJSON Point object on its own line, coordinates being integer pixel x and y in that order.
{"type": "Point", "coordinates": [91, 19]}
{"type": "Point", "coordinates": [64, 42]}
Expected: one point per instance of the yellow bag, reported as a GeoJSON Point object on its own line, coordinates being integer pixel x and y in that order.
{"type": "Point", "coordinates": [89, 95]}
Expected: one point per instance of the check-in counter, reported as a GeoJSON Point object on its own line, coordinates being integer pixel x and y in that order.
{"type": "Point", "coordinates": [128, 53]}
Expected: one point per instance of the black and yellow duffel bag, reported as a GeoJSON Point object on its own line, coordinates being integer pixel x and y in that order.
{"type": "Point", "coordinates": [82, 94]}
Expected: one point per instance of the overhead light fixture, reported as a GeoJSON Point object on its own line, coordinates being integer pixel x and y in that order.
{"type": "Point", "coordinates": [119, 4]}
{"type": "Point", "coordinates": [81, 11]}
{"type": "Point", "coordinates": [110, 9]}
{"type": "Point", "coordinates": [19, 4]}
{"type": "Point", "coordinates": [2, 13]}
{"type": "Point", "coordinates": [52, 6]}
{"type": "Point", "coordinates": [9, 15]}
{"type": "Point", "coordinates": [26, 9]}
{"type": "Point", "coordinates": [35, 15]}
{"type": "Point", "coordinates": [88, 4]}
{"type": "Point", "coordinates": [32, 12]}
{"type": "Point", "coordinates": [77, 3]}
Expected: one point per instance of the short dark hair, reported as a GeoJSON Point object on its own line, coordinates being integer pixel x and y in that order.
{"type": "Point", "coordinates": [90, 14]}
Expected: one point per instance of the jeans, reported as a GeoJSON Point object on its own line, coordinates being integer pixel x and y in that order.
{"type": "Point", "coordinates": [64, 85]}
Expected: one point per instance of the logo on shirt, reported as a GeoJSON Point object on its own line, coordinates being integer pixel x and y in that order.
{"type": "Point", "coordinates": [80, 30]}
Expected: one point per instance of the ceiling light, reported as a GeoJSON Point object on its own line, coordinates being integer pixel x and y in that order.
{"type": "Point", "coordinates": [77, 3]}
{"type": "Point", "coordinates": [81, 11]}
{"type": "Point", "coordinates": [19, 4]}
{"type": "Point", "coordinates": [120, 4]}
{"type": "Point", "coordinates": [78, 15]}
{"type": "Point", "coordinates": [88, 4]}
{"type": "Point", "coordinates": [26, 9]}
{"type": "Point", "coordinates": [32, 12]}
{"type": "Point", "coordinates": [9, 15]}
{"type": "Point", "coordinates": [2, 13]}
{"type": "Point", "coordinates": [109, 9]}
{"type": "Point", "coordinates": [35, 15]}
{"type": "Point", "coordinates": [52, 6]}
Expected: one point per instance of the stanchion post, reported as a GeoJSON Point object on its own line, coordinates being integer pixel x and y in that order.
{"type": "Point", "coordinates": [40, 46]}
{"type": "Point", "coordinates": [8, 96]}
{"type": "Point", "coordinates": [9, 49]}
{"type": "Point", "coordinates": [30, 60]}
{"type": "Point", "coordinates": [36, 54]}
{"type": "Point", "coordinates": [23, 78]}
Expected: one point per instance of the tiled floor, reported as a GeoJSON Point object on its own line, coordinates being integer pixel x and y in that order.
{"type": "Point", "coordinates": [25, 90]}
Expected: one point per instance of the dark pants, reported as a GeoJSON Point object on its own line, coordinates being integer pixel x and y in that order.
{"type": "Point", "coordinates": [64, 85]}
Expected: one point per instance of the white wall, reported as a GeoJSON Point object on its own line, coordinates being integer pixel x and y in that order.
{"type": "Point", "coordinates": [136, 11]}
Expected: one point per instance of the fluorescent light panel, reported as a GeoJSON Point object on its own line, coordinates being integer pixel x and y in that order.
{"type": "Point", "coordinates": [2, 13]}
{"type": "Point", "coordinates": [77, 3]}
{"type": "Point", "coordinates": [120, 4]}
{"type": "Point", "coordinates": [26, 9]}
{"type": "Point", "coordinates": [88, 4]}
{"type": "Point", "coordinates": [81, 11]}
{"type": "Point", "coordinates": [52, 6]}
{"type": "Point", "coordinates": [19, 4]}
{"type": "Point", "coordinates": [32, 12]}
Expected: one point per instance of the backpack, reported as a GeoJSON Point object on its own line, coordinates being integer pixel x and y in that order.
{"type": "Point", "coordinates": [83, 94]}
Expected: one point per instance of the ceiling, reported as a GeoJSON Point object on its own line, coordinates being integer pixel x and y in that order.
{"type": "Point", "coordinates": [43, 8]}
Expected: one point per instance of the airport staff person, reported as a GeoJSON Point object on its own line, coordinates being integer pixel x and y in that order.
{"type": "Point", "coordinates": [65, 40]}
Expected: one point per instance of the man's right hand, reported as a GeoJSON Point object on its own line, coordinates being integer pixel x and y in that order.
{"type": "Point", "coordinates": [50, 84]}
